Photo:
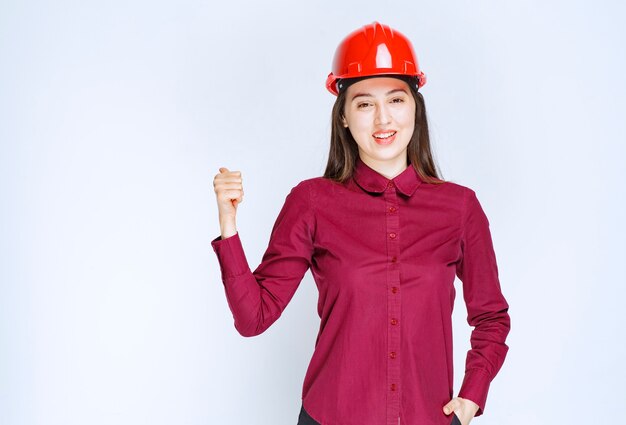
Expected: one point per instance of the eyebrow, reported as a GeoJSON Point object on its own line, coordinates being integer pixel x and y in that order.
{"type": "Point", "coordinates": [367, 94]}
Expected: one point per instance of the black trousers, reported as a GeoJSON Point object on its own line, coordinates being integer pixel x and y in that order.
{"type": "Point", "coordinates": [305, 419]}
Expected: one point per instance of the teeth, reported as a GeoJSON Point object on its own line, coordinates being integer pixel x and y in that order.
{"type": "Point", "coordinates": [384, 135]}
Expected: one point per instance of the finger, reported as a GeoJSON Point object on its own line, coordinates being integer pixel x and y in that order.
{"type": "Point", "coordinates": [228, 174]}
{"type": "Point", "coordinates": [221, 179]}
{"type": "Point", "coordinates": [232, 194]}
{"type": "Point", "coordinates": [224, 170]}
{"type": "Point", "coordinates": [229, 192]}
{"type": "Point", "coordinates": [231, 185]}
{"type": "Point", "coordinates": [237, 201]}
{"type": "Point", "coordinates": [451, 406]}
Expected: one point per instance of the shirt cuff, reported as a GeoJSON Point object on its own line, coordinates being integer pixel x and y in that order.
{"type": "Point", "coordinates": [475, 388]}
{"type": "Point", "coordinates": [231, 256]}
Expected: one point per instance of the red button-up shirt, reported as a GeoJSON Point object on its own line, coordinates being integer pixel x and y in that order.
{"type": "Point", "coordinates": [384, 254]}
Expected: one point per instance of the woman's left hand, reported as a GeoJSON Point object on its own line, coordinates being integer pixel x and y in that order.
{"type": "Point", "coordinates": [465, 409]}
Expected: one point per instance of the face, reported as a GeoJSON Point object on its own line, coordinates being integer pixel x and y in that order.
{"type": "Point", "coordinates": [380, 114]}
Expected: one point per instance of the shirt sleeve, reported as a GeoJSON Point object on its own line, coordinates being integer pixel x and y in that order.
{"type": "Point", "coordinates": [257, 299]}
{"type": "Point", "coordinates": [487, 309]}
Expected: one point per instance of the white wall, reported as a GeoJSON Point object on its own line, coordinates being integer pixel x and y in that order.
{"type": "Point", "coordinates": [115, 116]}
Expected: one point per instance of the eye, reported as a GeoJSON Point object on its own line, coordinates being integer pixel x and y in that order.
{"type": "Point", "coordinates": [361, 105]}
{"type": "Point", "coordinates": [398, 99]}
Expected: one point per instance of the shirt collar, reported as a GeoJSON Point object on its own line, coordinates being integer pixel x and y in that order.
{"type": "Point", "coordinates": [372, 181]}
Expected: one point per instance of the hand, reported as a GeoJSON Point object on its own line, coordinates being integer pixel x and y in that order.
{"type": "Point", "coordinates": [464, 408]}
{"type": "Point", "coordinates": [229, 193]}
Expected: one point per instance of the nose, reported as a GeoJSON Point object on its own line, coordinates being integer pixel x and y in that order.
{"type": "Point", "coordinates": [382, 115]}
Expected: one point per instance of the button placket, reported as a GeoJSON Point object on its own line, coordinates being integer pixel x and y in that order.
{"type": "Point", "coordinates": [393, 304]}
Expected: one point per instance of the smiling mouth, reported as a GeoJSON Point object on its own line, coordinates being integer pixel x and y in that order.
{"type": "Point", "coordinates": [383, 136]}
{"type": "Point", "coordinates": [385, 139]}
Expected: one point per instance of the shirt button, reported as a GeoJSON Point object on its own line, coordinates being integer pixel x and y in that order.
{"type": "Point", "coordinates": [393, 387]}
{"type": "Point", "coordinates": [392, 354]}
{"type": "Point", "coordinates": [392, 209]}
{"type": "Point", "coordinates": [394, 289]}
{"type": "Point", "coordinates": [394, 259]}
{"type": "Point", "coordinates": [390, 184]}
{"type": "Point", "coordinates": [394, 321]}
{"type": "Point", "coordinates": [392, 235]}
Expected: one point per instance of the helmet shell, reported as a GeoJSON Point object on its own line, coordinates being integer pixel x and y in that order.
{"type": "Point", "coordinates": [374, 49]}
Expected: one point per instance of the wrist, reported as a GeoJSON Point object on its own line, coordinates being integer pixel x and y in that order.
{"type": "Point", "coordinates": [228, 227]}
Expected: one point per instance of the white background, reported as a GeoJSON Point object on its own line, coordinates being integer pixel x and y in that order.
{"type": "Point", "coordinates": [115, 117]}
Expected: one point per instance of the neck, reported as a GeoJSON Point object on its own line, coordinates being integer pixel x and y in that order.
{"type": "Point", "coordinates": [388, 168]}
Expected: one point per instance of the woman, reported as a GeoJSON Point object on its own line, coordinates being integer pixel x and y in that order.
{"type": "Point", "coordinates": [384, 238]}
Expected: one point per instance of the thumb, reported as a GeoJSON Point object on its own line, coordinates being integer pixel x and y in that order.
{"type": "Point", "coordinates": [449, 408]}
{"type": "Point", "coordinates": [223, 170]}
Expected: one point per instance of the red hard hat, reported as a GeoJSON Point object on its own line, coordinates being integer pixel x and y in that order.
{"type": "Point", "coordinates": [374, 49]}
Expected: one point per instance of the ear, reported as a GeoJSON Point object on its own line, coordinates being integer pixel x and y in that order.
{"type": "Point", "coordinates": [345, 123]}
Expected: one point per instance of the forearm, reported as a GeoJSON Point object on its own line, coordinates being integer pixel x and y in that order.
{"type": "Point", "coordinates": [257, 298]}
{"type": "Point", "coordinates": [228, 226]}
{"type": "Point", "coordinates": [253, 308]}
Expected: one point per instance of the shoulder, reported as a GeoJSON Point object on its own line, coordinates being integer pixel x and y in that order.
{"type": "Point", "coordinates": [319, 185]}
{"type": "Point", "coordinates": [460, 198]}
{"type": "Point", "coordinates": [318, 181]}
{"type": "Point", "coordinates": [306, 190]}
{"type": "Point", "coordinates": [456, 194]}
{"type": "Point", "coordinates": [452, 188]}
{"type": "Point", "coordinates": [304, 187]}
{"type": "Point", "coordinates": [472, 210]}
{"type": "Point", "coordinates": [301, 191]}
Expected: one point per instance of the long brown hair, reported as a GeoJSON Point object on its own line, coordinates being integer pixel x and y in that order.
{"type": "Point", "coordinates": [344, 150]}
